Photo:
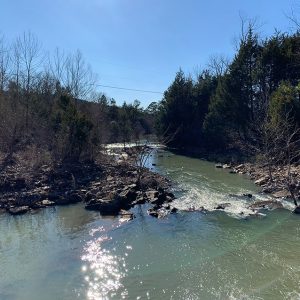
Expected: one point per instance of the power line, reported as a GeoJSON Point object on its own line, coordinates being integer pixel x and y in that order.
{"type": "Point", "coordinates": [127, 89]}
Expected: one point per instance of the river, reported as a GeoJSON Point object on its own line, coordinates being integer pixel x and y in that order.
{"type": "Point", "coordinates": [69, 253]}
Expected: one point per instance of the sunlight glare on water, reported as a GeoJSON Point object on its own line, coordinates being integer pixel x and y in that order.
{"type": "Point", "coordinates": [103, 270]}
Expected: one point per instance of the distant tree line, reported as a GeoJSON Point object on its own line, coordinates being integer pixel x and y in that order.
{"type": "Point", "coordinates": [49, 104]}
{"type": "Point", "coordinates": [232, 105]}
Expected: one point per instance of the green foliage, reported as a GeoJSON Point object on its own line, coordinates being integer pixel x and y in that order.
{"type": "Point", "coordinates": [284, 102]}
{"type": "Point", "coordinates": [182, 110]}
{"type": "Point", "coordinates": [72, 129]}
{"type": "Point", "coordinates": [224, 110]}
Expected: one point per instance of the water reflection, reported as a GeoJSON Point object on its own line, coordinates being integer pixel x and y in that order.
{"type": "Point", "coordinates": [103, 270]}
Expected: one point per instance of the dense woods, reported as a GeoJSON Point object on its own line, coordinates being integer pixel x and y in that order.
{"type": "Point", "coordinates": [238, 105]}
{"type": "Point", "coordinates": [49, 106]}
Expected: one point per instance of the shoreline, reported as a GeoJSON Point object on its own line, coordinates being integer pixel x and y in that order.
{"type": "Point", "coordinates": [111, 185]}
{"type": "Point", "coordinates": [246, 166]}
{"type": "Point", "coordinates": [108, 186]}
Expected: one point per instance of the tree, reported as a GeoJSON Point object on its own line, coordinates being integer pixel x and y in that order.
{"type": "Point", "coordinates": [29, 56]}
{"type": "Point", "coordinates": [72, 130]}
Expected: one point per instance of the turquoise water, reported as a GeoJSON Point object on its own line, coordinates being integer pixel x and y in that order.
{"type": "Point", "coordinates": [69, 253]}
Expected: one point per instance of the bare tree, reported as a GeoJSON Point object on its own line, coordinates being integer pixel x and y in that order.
{"type": "Point", "coordinates": [4, 63]}
{"type": "Point", "coordinates": [293, 16]}
{"type": "Point", "coordinates": [79, 77]}
{"type": "Point", "coordinates": [280, 149]}
{"type": "Point", "coordinates": [57, 65]}
{"type": "Point", "coordinates": [218, 65]}
{"type": "Point", "coordinates": [29, 52]}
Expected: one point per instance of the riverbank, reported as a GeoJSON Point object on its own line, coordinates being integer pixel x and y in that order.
{"type": "Point", "coordinates": [275, 185]}
{"type": "Point", "coordinates": [237, 162]}
{"type": "Point", "coordinates": [107, 185]}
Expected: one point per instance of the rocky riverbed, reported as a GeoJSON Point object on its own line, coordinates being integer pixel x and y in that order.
{"type": "Point", "coordinates": [274, 185]}
{"type": "Point", "coordinates": [111, 187]}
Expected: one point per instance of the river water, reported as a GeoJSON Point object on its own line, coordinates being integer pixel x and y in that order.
{"type": "Point", "coordinates": [70, 253]}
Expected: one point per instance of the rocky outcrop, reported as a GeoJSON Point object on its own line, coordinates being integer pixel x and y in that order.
{"type": "Point", "coordinates": [109, 188]}
{"type": "Point", "coordinates": [275, 186]}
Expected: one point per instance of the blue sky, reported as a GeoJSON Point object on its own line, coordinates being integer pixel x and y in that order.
{"type": "Point", "coordinates": [137, 43]}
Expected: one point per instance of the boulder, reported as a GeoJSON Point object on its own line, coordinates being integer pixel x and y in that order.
{"type": "Point", "coordinates": [241, 166]}
{"type": "Point", "coordinates": [152, 195]}
{"type": "Point", "coordinates": [248, 195]}
{"type": "Point", "coordinates": [268, 204]}
{"type": "Point", "coordinates": [222, 205]}
{"type": "Point", "coordinates": [281, 194]}
{"type": "Point", "coordinates": [126, 215]}
{"type": "Point", "coordinates": [158, 213]}
{"type": "Point", "coordinates": [105, 207]}
{"type": "Point", "coordinates": [226, 166]}
{"type": "Point", "coordinates": [128, 195]}
{"type": "Point", "coordinates": [261, 181]}
{"type": "Point", "coordinates": [297, 210]}
{"type": "Point", "coordinates": [47, 202]}
{"type": "Point", "coordinates": [219, 166]}
{"type": "Point", "coordinates": [109, 178]}
{"type": "Point", "coordinates": [18, 210]}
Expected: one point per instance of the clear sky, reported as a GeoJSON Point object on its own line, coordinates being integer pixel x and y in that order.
{"type": "Point", "coordinates": [140, 44]}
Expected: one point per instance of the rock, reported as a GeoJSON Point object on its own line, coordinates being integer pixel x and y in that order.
{"type": "Point", "coordinates": [248, 195]}
{"type": "Point", "coordinates": [139, 200]}
{"type": "Point", "coordinates": [268, 204]}
{"type": "Point", "coordinates": [47, 202]}
{"type": "Point", "coordinates": [281, 194]}
{"type": "Point", "coordinates": [232, 172]}
{"type": "Point", "coordinates": [262, 180]}
{"type": "Point", "coordinates": [226, 166]}
{"type": "Point", "coordinates": [126, 215]}
{"type": "Point", "coordinates": [173, 210]}
{"type": "Point", "coordinates": [132, 186]}
{"type": "Point", "coordinates": [18, 210]}
{"type": "Point", "coordinates": [297, 210]}
{"type": "Point", "coordinates": [219, 166]}
{"type": "Point", "coordinates": [29, 198]}
{"type": "Point", "coordinates": [42, 204]}
{"type": "Point", "coordinates": [152, 195]}
{"type": "Point", "coordinates": [222, 205]}
{"type": "Point", "coordinates": [152, 212]}
{"type": "Point", "coordinates": [267, 190]}
{"type": "Point", "coordinates": [89, 196]}
{"type": "Point", "coordinates": [158, 213]}
{"type": "Point", "coordinates": [239, 167]}
{"type": "Point", "coordinates": [128, 195]}
{"type": "Point", "coordinates": [105, 207]}
{"type": "Point", "coordinates": [109, 178]}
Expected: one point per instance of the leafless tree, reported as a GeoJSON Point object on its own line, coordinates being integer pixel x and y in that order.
{"type": "Point", "coordinates": [4, 63]}
{"type": "Point", "coordinates": [29, 52]}
{"type": "Point", "coordinates": [79, 77]}
{"type": "Point", "coordinates": [293, 15]}
{"type": "Point", "coordinates": [218, 65]}
{"type": "Point", "coordinates": [281, 149]}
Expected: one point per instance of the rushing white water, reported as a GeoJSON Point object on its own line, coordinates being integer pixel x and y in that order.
{"type": "Point", "coordinates": [69, 253]}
